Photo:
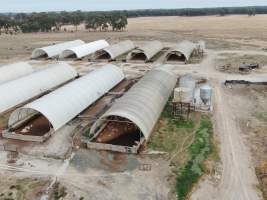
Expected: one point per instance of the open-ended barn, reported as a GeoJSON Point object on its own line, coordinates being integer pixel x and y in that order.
{"type": "Point", "coordinates": [54, 50]}
{"type": "Point", "coordinates": [19, 91]}
{"type": "Point", "coordinates": [146, 52]}
{"type": "Point", "coordinates": [36, 121]}
{"type": "Point", "coordinates": [131, 119]}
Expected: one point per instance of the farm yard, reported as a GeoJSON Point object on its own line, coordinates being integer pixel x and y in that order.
{"type": "Point", "coordinates": [183, 149]}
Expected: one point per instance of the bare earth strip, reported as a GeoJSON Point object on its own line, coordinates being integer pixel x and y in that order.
{"type": "Point", "coordinates": [238, 179]}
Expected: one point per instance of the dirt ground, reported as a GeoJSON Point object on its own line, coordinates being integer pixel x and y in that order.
{"type": "Point", "coordinates": [239, 116]}
{"type": "Point", "coordinates": [230, 63]}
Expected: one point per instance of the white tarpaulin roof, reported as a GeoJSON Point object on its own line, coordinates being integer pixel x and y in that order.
{"type": "Point", "coordinates": [185, 47]}
{"type": "Point", "coordinates": [14, 70]}
{"type": "Point", "coordinates": [85, 49]}
{"type": "Point", "coordinates": [55, 50]}
{"type": "Point", "coordinates": [144, 102]}
{"type": "Point", "coordinates": [25, 88]}
{"type": "Point", "coordinates": [62, 105]}
{"type": "Point", "coordinates": [119, 49]}
{"type": "Point", "coordinates": [150, 49]}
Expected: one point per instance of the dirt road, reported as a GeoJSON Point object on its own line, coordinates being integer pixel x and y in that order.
{"type": "Point", "coordinates": [238, 180]}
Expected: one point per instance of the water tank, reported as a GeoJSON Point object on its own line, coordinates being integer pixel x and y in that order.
{"type": "Point", "coordinates": [205, 93]}
{"type": "Point", "coordinates": [189, 83]}
{"type": "Point", "coordinates": [183, 94]}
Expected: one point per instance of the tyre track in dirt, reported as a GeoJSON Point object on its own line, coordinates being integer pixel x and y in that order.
{"type": "Point", "coordinates": [238, 180]}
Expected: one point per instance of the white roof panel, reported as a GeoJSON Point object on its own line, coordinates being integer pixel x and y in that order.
{"type": "Point", "coordinates": [25, 88]}
{"type": "Point", "coordinates": [14, 71]}
{"type": "Point", "coordinates": [62, 105]}
{"type": "Point", "coordinates": [55, 50]}
{"type": "Point", "coordinates": [85, 49]}
{"type": "Point", "coordinates": [119, 49]}
{"type": "Point", "coordinates": [185, 47]}
{"type": "Point", "coordinates": [150, 49]}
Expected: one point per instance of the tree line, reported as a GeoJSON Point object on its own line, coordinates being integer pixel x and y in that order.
{"type": "Point", "coordinates": [53, 21]}
{"type": "Point", "coordinates": [13, 23]}
{"type": "Point", "coordinates": [220, 11]}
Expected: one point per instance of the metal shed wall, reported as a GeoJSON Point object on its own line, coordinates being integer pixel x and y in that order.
{"type": "Point", "coordinates": [144, 102]}
{"type": "Point", "coordinates": [185, 47]}
{"type": "Point", "coordinates": [20, 90]}
{"type": "Point", "coordinates": [150, 50]}
{"type": "Point", "coordinates": [85, 49]}
{"type": "Point", "coordinates": [13, 71]}
{"type": "Point", "coordinates": [55, 50]}
{"type": "Point", "coordinates": [119, 49]}
{"type": "Point", "coordinates": [62, 105]}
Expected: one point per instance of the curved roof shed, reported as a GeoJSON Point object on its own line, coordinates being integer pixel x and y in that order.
{"type": "Point", "coordinates": [54, 50]}
{"type": "Point", "coordinates": [146, 52]}
{"type": "Point", "coordinates": [116, 50]}
{"type": "Point", "coordinates": [23, 89]}
{"type": "Point", "coordinates": [143, 103]}
{"type": "Point", "coordinates": [62, 105]}
{"type": "Point", "coordinates": [14, 71]}
{"type": "Point", "coordinates": [84, 50]}
{"type": "Point", "coordinates": [181, 52]}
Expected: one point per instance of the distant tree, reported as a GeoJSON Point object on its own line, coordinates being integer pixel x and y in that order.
{"type": "Point", "coordinates": [76, 18]}
{"type": "Point", "coordinates": [90, 23]}
{"type": "Point", "coordinates": [104, 21]}
{"type": "Point", "coordinates": [118, 22]}
{"type": "Point", "coordinates": [223, 11]}
{"type": "Point", "coordinates": [251, 11]}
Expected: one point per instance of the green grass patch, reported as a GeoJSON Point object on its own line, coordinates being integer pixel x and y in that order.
{"type": "Point", "coordinates": [3, 121]}
{"type": "Point", "coordinates": [169, 134]}
{"type": "Point", "coordinates": [184, 124]}
{"type": "Point", "coordinates": [188, 144]}
{"type": "Point", "coordinates": [200, 149]}
{"type": "Point", "coordinates": [262, 116]}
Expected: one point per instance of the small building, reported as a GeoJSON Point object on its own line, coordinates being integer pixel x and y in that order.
{"type": "Point", "coordinates": [14, 71]}
{"type": "Point", "coordinates": [114, 51]}
{"type": "Point", "coordinates": [146, 52]}
{"type": "Point", "coordinates": [54, 50]}
{"type": "Point", "coordinates": [78, 52]}
{"type": "Point", "coordinates": [39, 119]}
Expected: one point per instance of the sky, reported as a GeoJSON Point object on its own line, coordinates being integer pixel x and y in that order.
{"type": "Point", "coordinates": [96, 5]}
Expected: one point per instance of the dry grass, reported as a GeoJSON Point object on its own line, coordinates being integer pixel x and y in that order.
{"type": "Point", "coordinates": [219, 32]}
{"type": "Point", "coordinates": [236, 29]}
{"type": "Point", "coordinates": [230, 62]}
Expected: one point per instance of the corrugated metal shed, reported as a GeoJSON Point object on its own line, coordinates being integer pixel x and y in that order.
{"type": "Point", "coordinates": [183, 49]}
{"type": "Point", "coordinates": [62, 105]}
{"type": "Point", "coordinates": [84, 50]}
{"type": "Point", "coordinates": [144, 102]}
{"type": "Point", "coordinates": [55, 50]}
{"type": "Point", "coordinates": [116, 50]}
{"type": "Point", "coordinates": [147, 51]}
{"type": "Point", "coordinates": [25, 88]}
{"type": "Point", "coordinates": [13, 71]}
